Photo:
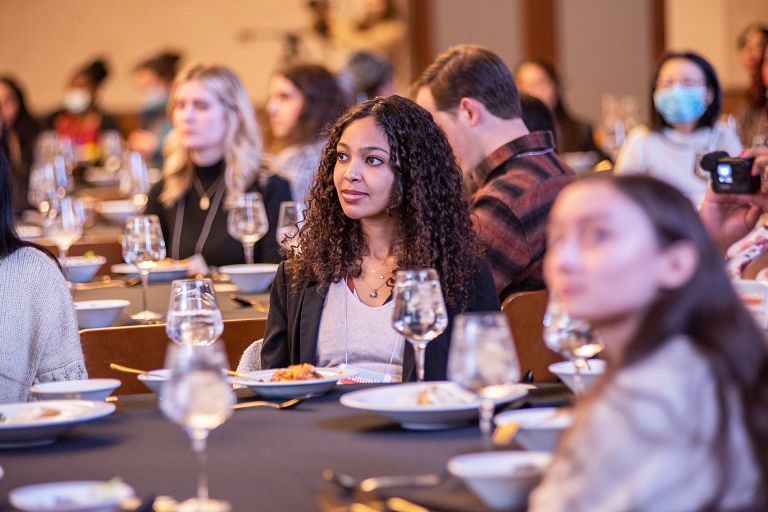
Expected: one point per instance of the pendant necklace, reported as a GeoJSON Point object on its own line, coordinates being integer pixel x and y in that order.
{"type": "Point", "coordinates": [205, 201]}
{"type": "Point", "coordinates": [374, 293]}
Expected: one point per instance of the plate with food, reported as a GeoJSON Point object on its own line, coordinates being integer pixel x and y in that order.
{"type": "Point", "coordinates": [166, 270]}
{"type": "Point", "coordinates": [424, 405]}
{"type": "Point", "coordinates": [296, 380]}
{"type": "Point", "coordinates": [76, 496]}
{"type": "Point", "coordinates": [36, 423]}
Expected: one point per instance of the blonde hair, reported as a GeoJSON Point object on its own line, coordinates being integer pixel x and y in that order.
{"type": "Point", "coordinates": [242, 140]}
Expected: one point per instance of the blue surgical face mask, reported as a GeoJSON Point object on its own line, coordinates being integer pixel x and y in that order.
{"type": "Point", "coordinates": [681, 103]}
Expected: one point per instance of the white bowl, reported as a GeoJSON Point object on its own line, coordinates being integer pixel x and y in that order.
{"type": "Point", "coordinates": [254, 278]}
{"type": "Point", "coordinates": [86, 389]}
{"type": "Point", "coordinates": [80, 269]}
{"type": "Point", "coordinates": [98, 313]}
{"type": "Point", "coordinates": [540, 428]}
{"type": "Point", "coordinates": [116, 212]}
{"type": "Point", "coordinates": [82, 496]}
{"type": "Point", "coordinates": [155, 379]}
{"type": "Point", "coordinates": [566, 371]}
{"type": "Point", "coordinates": [502, 480]}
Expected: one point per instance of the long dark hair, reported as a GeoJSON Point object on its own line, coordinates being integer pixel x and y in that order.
{"type": "Point", "coordinates": [706, 310]}
{"type": "Point", "coordinates": [434, 228]}
{"type": "Point", "coordinates": [324, 101]}
{"type": "Point", "coordinates": [708, 119]}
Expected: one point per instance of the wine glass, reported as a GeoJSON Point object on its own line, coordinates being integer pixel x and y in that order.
{"type": "Point", "coordinates": [64, 224]}
{"type": "Point", "coordinates": [144, 247]}
{"type": "Point", "coordinates": [419, 310]}
{"type": "Point", "coordinates": [288, 223]}
{"type": "Point", "coordinates": [483, 360]}
{"type": "Point", "coordinates": [573, 339]}
{"type": "Point", "coordinates": [134, 181]}
{"type": "Point", "coordinates": [247, 222]}
{"type": "Point", "coordinates": [42, 187]}
{"type": "Point", "coordinates": [111, 150]}
{"type": "Point", "coordinates": [193, 315]}
{"type": "Point", "coordinates": [198, 397]}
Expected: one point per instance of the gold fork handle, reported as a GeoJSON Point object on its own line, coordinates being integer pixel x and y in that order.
{"type": "Point", "coordinates": [127, 369]}
{"type": "Point", "coordinates": [256, 403]}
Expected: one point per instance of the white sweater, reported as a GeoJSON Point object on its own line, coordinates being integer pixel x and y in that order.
{"type": "Point", "coordinates": [671, 156]}
{"type": "Point", "coordinates": [39, 339]}
{"type": "Point", "coordinates": [645, 444]}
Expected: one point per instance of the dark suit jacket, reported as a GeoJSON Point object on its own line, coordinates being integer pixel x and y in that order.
{"type": "Point", "coordinates": [294, 322]}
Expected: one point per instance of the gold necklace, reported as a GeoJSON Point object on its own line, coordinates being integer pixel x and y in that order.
{"type": "Point", "coordinates": [205, 201]}
{"type": "Point", "coordinates": [374, 290]}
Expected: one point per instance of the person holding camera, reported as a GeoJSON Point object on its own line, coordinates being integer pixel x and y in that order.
{"type": "Point", "coordinates": [686, 98]}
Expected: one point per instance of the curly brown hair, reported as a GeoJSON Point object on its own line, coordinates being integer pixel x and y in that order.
{"type": "Point", "coordinates": [434, 228]}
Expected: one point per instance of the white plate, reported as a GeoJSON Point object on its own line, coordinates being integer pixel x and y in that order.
{"type": "Point", "coordinates": [17, 431]}
{"type": "Point", "coordinates": [388, 401]}
{"type": "Point", "coordinates": [84, 389]}
{"type": "Point", "coordinates": [84, 496]}
{"type": "Point", "coordinates": [259, 383]}
{"type": "Point", "coordinates": [162, 273]}
{"type": "Point", "coordinates": [540, 427]}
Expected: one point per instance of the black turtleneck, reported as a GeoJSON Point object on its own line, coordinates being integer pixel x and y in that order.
{"type": "Point", "coordinates": [219, 248]}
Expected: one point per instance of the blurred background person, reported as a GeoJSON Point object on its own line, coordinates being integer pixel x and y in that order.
{"type": "Point", "coordinates": [540, 80]}
{"type": "Point", "coordinates": [213, 156]}
{"type": "Point", "coordinates": [678, 420]}
{"type": "Point", "coordinates": [686, 99]}
{"type": "Point", "coordinates": [367, 75]}
{"type": "Point", "coordinates": [153, 78]}
{"type": "Point", "coordinates": [304, 99]}
{"type": "Point", "coordinates": [752, 45]}
{"type": "Point", "coordinates": [81, 120]}
{"type": "Point", "coordinates": [20, 129]}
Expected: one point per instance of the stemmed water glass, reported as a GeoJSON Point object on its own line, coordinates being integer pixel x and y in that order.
{"type": "Point", "coordinates": [288, 223]}
{"type": "Point", "coordinates": [419, 310]}
{"type": "Point", "coordinates": [198, 397]}
{"type": "Point", "coordinates": [483, 360]}
{"type": "Point", "coordinates": [134, 181]}
{"type": "Point", "coordinates": [144, 247]}
{"type": "Point", "coordinates": [572, 338]}
{"type": "Point", "coordinates": [193, 316]}
{"type": "Point", "coordinates": [64, 224]}
{"type": "Point", "coordinates": [247, 222]}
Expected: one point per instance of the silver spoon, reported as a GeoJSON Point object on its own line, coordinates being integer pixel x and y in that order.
{"type": "Point", "coordinates": [349, 483]}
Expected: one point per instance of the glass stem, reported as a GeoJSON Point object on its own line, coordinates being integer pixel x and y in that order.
{"type": "Point", "coordinates": [487, 408]}
{"type": "Point", "coordinates": [419, 349]}
{"type": "Point", "coordinates": [63, 253]}
{"type": "Point", "coordinates": [199, 442]}
{"type": "Point", "coordinates": [248, 249]}
{"type": "Point", "coordinates": [578, 382]}
{"type": "Point", "coordinates": [144, 286]}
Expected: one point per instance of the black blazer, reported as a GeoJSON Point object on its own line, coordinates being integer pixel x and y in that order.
{"type": "Point", "coordinates": [294, 322]}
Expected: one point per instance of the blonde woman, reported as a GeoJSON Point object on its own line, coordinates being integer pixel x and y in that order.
{"type": "Point", "coordinates": [212, 155]}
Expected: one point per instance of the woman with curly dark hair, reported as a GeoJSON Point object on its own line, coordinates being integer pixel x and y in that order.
{"type": "Point", "coordinates": [388, 196]}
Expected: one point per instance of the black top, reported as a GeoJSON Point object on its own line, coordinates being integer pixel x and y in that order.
{"type": "Point", "coordinates": [293, 323]}
{"type": "Point", "coordinates": [219, 247]}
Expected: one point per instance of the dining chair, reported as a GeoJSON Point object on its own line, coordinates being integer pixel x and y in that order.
{"type": "Point", "coordinates": [143, 347]}
{"type": "Point", "coordinates": [525, 313]}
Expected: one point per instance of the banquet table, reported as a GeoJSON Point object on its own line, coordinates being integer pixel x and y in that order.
{"type": "Point", "coordinates": [260, 459]}
{"type": "Point", "coordinates": [157, 299]}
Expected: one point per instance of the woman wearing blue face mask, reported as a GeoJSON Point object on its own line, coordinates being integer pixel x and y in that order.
{"type": "Point", "coordinates": [686, 100]}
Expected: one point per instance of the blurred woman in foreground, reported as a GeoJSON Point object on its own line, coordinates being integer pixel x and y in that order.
{"type": "Point", "coordinates": [39, 339]}
{"type": "Point", "coordinates": [680, 419]}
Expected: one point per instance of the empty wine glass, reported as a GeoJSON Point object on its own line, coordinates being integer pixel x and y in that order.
{"type": "Point", "coordinates": [247, 222]}
{"type": "Point", "coordinates": [42, 187]}
{"type": "Point", "coordinates": [111, 150]}
{"type": "Point", "coordinates": [419, 310]}
{"type": "Point", "coordinates": [64, 224]}
{"type": "Point", "coordinates": [193, 315]}
{"type": "Point", "coordinates": [134, 181]}
{"type": "Point", "coordinates": [198, 397]}
{"type": "Point", "coordinates": [288, 223]}
{"type": "Point", "coordinates": [573, 339]}
{"type": "Point", "coordinates": [483, 360]}
{"type": "Point", "coordinates": [144, 247]}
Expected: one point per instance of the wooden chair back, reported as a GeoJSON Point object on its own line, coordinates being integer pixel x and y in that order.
{"type": "Point", "coordinates": [525, 312]}
{"type": "Point", "coordinates": [143, 347]}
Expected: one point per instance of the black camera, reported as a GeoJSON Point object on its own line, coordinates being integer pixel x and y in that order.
{"type": "Point", "coordinates": [730, 175]}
